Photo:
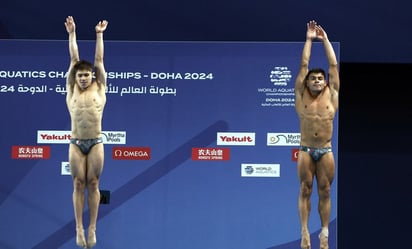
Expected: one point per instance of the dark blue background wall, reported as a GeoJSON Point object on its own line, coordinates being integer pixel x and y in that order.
{"type": "Point", "coordinates": [375, 110]}
{"type": "Point", "coordinates": [370, 31]}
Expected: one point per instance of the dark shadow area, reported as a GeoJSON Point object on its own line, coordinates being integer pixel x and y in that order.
{"type": "Point", "coordinates": [374, 168]}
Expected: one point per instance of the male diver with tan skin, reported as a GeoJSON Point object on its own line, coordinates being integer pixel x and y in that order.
{"type": "Point", "coordinates": [86, 98]}
{"type": "Point", "coordinates": [316, 103]}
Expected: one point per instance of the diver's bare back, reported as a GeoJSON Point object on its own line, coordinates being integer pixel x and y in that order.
{"type": "Point", "coordinates": [316, 118]}
{"type": "Point", "coordinates": [86, 111]}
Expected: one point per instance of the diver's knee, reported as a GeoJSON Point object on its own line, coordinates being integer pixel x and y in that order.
{"type": "Point", "coordinates": [79, 183]}
{"type": "Point", "coordinates": [305, 189]}
{"type": "Point", "coordinates": [93, 184]}
{"type": "Point", "coordinates": [324, 192]}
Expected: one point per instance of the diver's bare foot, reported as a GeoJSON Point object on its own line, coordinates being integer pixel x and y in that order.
{"type": "Point", "coordinates": [305, 242]}
{"type": "Point", "coordinates": [80, 239]}
{"type": "Point", "coordinates": [323, 241]}
{"type": "Point", "coordinates": [91, 237]}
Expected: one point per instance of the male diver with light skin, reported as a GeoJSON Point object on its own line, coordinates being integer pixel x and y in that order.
{"type": "Point", "coordinates": [316, 103]}
{"type": "Point", "coordinates": [85, 99]}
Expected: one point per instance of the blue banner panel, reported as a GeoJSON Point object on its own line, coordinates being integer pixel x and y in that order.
{"type": "Point", "coordinates": [201, 141]}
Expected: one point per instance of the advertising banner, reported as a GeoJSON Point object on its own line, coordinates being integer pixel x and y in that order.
{"type": "Point", "coordinates": [200, 138]}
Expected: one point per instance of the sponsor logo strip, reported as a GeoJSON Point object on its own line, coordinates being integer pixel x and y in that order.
{"type": "Point", "coordinates": [63, 137]}
{"type": "Point", "coordinates": [283, 139]}
{"type": "Point", "coordinates": [210, 154]}
{"type": "Point", "coordinates": [260, 170]}
{"type": "Point", "coordinates": [236, 138]}
{"type": "Point", "coordinates": [65, 168]}
{"type": "Point", "coordinates": [114, 137]}
{"type": "Point", "coordinates": [53, 137]}
{"type": "Point", "coordinates": [131, 153]}
{"type": "Point", "coordinates": [30, 152]}
{"type": "Point", "coordinates": [295, 154]}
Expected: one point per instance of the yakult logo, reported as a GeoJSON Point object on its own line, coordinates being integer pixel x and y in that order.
{"type": "Point", "coordinates": [53, 137]}
{"type": "Point", "coordinates": [235, 138]}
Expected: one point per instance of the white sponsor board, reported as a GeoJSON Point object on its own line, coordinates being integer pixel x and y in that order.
{"type": "Point", "coordinates": [260, 170]}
